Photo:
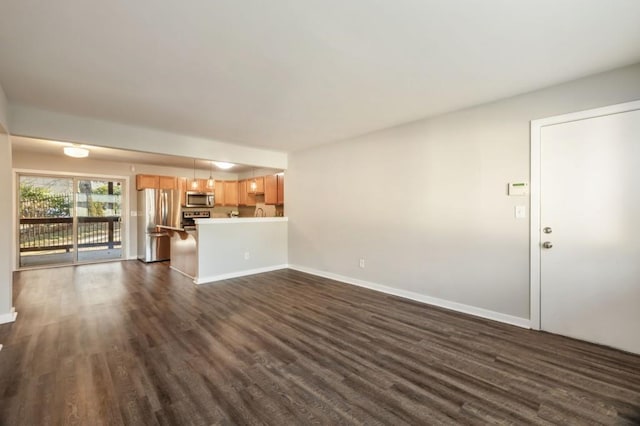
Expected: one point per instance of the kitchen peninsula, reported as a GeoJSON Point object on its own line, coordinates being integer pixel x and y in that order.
{"type": "Point", "coordinates": [227, 248]}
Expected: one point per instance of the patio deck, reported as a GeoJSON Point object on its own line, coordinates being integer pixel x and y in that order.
{"type": "Point", "coordinates": [32, 259]}
{"type": "Point", "coordinates": [50, 241]}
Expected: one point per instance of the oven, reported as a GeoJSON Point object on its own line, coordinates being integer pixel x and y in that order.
{"type": "Point", "coordinates": [189, 218]}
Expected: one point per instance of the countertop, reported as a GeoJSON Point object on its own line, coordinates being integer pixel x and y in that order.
{"type": "Point", "coordinates": [228, 220]}
{"type": "Point", "coordinates": [241, 220]}
{"type": "Point", "coordinates": [170, 227]}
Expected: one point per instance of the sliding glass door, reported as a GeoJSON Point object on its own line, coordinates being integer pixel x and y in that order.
{"type": "Point", "coordinates": [67, 220]}
{"type": "Point", "coordinates": [45, 211]}
{"type": "Point", "coordinates": [99, 208]}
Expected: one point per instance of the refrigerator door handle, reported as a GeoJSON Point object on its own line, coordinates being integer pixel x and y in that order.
{"type": "Point", "coordinates": [163, 207]}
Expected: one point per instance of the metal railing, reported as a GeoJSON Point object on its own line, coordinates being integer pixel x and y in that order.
{"type": "Point", "coordinates": [56, 233]}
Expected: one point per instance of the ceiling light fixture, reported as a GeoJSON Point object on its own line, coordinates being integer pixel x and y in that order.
{"type": "Point", "coordinates": [194, 182]}
{"type": "Point", "coordinates": [76, 151]}
{"type": "Point", "coordinates": [210, 181]}
{"type": "Point", "coordinates": [223, 165]}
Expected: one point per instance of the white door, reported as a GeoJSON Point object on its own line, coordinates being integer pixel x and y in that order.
{"type": "Point", "coordinates": [590, 216]}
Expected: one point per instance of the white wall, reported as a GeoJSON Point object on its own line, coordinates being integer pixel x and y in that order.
{"type": "Point", "coordinates": [60, 164]}
{"type": "Point", "coordinates": [32, 122]}
{"type": "Point", "coordinates": [258, 172]}
{"type": "Point", "coordinates": [6, 281]}
{"type": "Point", "coordinates": [425, 203]}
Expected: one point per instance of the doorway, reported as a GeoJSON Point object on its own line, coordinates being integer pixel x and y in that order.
{"type": "Point", "coordinates": [585, 274]}
{"type": "Point", "coordinates": [68, 220]}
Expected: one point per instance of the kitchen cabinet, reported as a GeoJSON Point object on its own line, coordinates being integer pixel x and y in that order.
{"type": "Point", "coordinates": [167, 182]}
{"type": "Point", "coordinates": [245, 198]}
{"type": "Point", "coordinates": [226, 193]}
{"type": "Point", "coordinates": [201, 185]}
{"type": "Point", "coordinates": [182, 189]}
{"type": "Point", "coordinates": [274, 189]}
{"type": "Point", "coordinates": [280, 178]}
{"type": "Point", "coordinates": [147, 182]}
{"type": "Point", "coordinates": [182, 184]}
{"type": "Point", "coordinates": [156, 182]}
{"type": "Point", "coordinates": [219, 193]}
{"type": "Point", "coordinates": [231, 193]}
{"type": "Point", "coordinates": [259, 187]}
{"type": "Point", "coordinates": [271, 189]}
{"type": "Point", "coordinates": [242, 192]}
{"type": "Point", "coordinates": [251, 199]}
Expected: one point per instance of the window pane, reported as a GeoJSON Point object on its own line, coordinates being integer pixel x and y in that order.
{"type": "Point", "coordinates": [46, 224]}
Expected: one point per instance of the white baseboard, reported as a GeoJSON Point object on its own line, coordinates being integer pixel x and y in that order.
{"type": "Point", "coordinates": [204, 280]}
{"type": "Point", "coordinates": [8, 317]}
{"type": "Point", "coordinates": [180, 272]}
{"type": "Point", "coordinates": [454, 306]}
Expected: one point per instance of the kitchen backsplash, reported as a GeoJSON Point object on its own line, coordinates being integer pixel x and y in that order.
{"type": "Point", "coordinates": [219, 212]}
{"type": "Point", "coordinates": [265, 210]}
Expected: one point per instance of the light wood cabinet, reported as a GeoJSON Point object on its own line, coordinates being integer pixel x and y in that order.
{"type": "Point", "coordinates": [156, 182]}
{"type": "Point", "coordinates": [147, 182]}
{"type": "Point", "coordinates": [251, 200]}
{"type": "Point", "coordinates": [182, 188]}
{"type": "Point", "coordinates": [245, 198]}
{"type": "Point", "coordinates": [226, 193]}
{"type": "Point", "coordinates": [271, 189]}
{"type": "Point", "coordinates": [231, 193]}
{"type": "Point", "coordinates": [219, 193]}
{"type": "Point", "coordinates": [167, 182]}
{"type": "Point", "coordinates": [259, 189]}
{"type": "Point", "coordinates": [242, 192]}
{"type": "Point", "coordinates": [201, 185]}
{"type": "Point", "coordinates": [182, 184]}
{"type": "Point", "coordinates": [280, 179]}
{"type": "Point", "coordinates": [190, 185]}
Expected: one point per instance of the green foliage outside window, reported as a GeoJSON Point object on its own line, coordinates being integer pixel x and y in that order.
{"type": "Point", "coordinates": [36, 201]}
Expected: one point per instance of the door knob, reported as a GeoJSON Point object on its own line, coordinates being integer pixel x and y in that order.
{"type": "Point", "coordinates": [547, 230]}
{"type": "Point", "coordinates": [547, 244]}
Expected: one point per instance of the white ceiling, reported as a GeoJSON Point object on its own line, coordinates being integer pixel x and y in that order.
{"type": "Point", "coordinates": [291, 74]}
{"type": "Point", "coordinates": [55, 148]}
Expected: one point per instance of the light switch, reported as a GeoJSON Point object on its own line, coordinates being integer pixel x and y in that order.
{"type": "Point", "coordinates": [521, 212]}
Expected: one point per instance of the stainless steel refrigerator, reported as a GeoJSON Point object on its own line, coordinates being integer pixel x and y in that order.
{"type": "Point", "coordinates": [156, 207]}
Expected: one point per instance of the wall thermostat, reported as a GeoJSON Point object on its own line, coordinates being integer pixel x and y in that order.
{"type": "Point", "coordinates": [518, 189]}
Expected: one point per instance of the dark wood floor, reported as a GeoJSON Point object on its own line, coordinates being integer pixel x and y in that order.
{"type": "Point", "coordinates": [128, 343]}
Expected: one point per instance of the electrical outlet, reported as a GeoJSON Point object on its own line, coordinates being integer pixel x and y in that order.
{"type": "Point", "coordinates": [362, 263]}
{"type": "Point", "coordinates": [247, 255]}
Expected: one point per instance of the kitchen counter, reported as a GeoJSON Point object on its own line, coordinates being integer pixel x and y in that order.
{"type": "Point", "coordinates": [235, 247]}
{"type": "Point", "coordinates": [226, 248]}
{"type": "Point", "coordinates": [171, 228]}
{"type": "Point", "coordinates": [252, 219]}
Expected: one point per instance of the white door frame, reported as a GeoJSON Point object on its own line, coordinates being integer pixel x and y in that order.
{"type": "Point", "coordinates": [535, 187]}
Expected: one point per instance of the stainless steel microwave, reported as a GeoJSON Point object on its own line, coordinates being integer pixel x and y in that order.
{"type": "Point", "coordinates": [199, 199]}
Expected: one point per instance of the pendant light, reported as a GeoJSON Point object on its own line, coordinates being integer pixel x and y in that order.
{"type": "Point", "coordinates": [210, 182]}
{"type": "Point", "coordinates": [194, 182]}
{"type": "Point", "coordinates": [253, 185]}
